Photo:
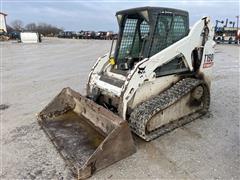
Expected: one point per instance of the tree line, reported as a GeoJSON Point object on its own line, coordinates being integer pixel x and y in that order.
{"type": "Point", "coordinates": [42, 28]}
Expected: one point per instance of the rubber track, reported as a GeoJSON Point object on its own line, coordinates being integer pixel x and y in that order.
{"type": "Point", "coordinates": [144, 112]}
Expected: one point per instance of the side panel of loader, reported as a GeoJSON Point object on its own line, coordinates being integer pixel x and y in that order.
{"type": "Point", "coordinates": [88, 136]}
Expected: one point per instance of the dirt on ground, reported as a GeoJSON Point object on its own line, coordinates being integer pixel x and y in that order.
{"type": "Point", "coordinates": [32, 74]}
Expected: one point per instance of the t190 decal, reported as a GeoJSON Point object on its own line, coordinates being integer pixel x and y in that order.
{"type": "Point", "coordinates": [208, 60]}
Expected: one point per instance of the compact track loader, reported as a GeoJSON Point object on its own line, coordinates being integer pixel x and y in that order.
{"type": "Point", "coordinates": [158, 78]}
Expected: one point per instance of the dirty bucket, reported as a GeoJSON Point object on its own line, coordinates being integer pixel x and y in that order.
{"type": "Point", "coordinates": [88, 136]}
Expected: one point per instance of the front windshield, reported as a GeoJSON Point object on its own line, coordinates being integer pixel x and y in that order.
{"type": "Point", "coordinates": [134, 32]}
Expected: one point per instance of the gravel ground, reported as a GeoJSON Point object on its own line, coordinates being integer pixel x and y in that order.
{"type": "Point", "coordinates": [34, 73]}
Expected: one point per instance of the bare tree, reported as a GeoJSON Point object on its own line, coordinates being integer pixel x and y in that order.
{"type": "Point", "coordinates": [31, 27]}
{"type": "Point", "coordinates": [48, 29]}
{"type": "Point", "coordinates": [17, 25]}
{"type": "Point", "coordinates": [42, 28]}
{"type": "Point", "coordinates": [9, 29]}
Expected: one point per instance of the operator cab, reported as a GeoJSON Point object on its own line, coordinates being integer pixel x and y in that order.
{"type": "Point", "coordinates": [146, 31]}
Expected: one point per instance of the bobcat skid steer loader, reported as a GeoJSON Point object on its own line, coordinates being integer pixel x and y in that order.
{"type": "Point", "coordinates": [158, 78]}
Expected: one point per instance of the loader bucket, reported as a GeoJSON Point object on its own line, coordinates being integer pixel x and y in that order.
{"type": "Point", "coordinates": [88, 136]}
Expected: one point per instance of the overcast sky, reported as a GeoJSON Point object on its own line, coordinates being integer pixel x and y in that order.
{"type": "Point", "coordinates": [100, 15]}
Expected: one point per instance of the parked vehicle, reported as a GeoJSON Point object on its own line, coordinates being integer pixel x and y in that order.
{"type": "Point", "coordinates": [81, 34]}
{"type": "Point", "coordinates": [68, 34]}
{"type": "Point", "coordinates": [90, 35]}
{"type": "Point", "coordinates": [104, 35]}
{"type": "Point", "coordinates": [226, 34]}
{"type": "Point", "coordinates": [61, 34]}
{"type": "Point", "coordinates": [71, 34]}
{"type": "Point", "coordinates": [109, 35]}
{"type": "Point", "coordinates": [101, 35]}
{"type": "Point", "coordinates": [14, 35]}
{"type": "Point", "coordinates": [238, 36]}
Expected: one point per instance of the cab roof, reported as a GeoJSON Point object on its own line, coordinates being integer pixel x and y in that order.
{"type": "Point", "coordinates": [152, 10]}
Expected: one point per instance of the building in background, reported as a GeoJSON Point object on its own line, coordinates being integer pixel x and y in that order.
{"type": "Point", "coordinates": [3, 27]}
{"type": "Point", "coordinates": [3, 24]}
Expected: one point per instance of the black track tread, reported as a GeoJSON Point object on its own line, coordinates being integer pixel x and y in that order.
{"type": "Point", "coordinates": [144, 112]}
